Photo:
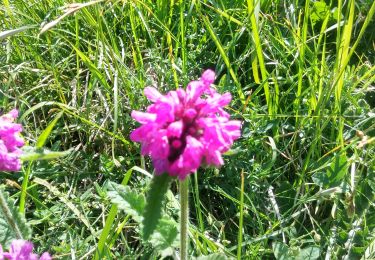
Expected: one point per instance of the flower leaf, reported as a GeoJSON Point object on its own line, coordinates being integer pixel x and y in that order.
{"type": "Point", "coordinates": [335, 173]}
{"type": "Point", "coordinates": [12, 224]}
{"type": "Point", "coordinates": [165, 237]}
{"type": "Point", "coordinates": [281, 251]}
{"type": "Point", "coordinates": [127, 200]}
{"type": "Point", "coordinates": [34, 154]}
{"type": "Point", "coordinates": [311, 253]}
{"type": "Point", "coordinates": [154, 201]}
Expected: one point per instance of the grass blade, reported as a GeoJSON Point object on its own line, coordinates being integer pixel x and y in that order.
{"type": "Point", "coordinates": [9, 33]}
{"type": "Point", "coordinates": [224, 57]}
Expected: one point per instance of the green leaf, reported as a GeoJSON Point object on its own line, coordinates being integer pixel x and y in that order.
{"type": "Point", "coordinates": [12, 224]}
{"type": "Point", "coordinates": [155, 196]}
{"type": "Point", "coordinates": [9, 33]}
{"type": "Point", "coordinates": [34, 154]}
{"type": "Point", "coordinates": [335, 173]}
{"type": "Point", "coordinates": [166, 237]}
{"type": "Point", "coordinates": [310, 253]}
{"type": "Point", "coordinates": [127, 200]}
{"type": "Point", "coordinates": [46, 133]}
{"type": "Point", "coordinates": [285, 194]}
{"type": "Point", "coordinates": [365, 195]}
{"type": "Point", "coordinates": [319, 12]}
{"type": "Point", "coordinates": [338, 169]}
{"type": "Point", "coordinates": [216, 256]}
{"type": "Point", "coordinates": [281, 251]}
{"type": "Point", "coordinates": [321, 179]}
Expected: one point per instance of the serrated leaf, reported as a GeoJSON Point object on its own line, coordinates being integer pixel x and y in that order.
{"type": "Point", "coordinates": [310, 253]}
{"type": "Point", "coordinates": [216, 256]}
{"type": "Point", "coordinates": [319, 12]}
{"type": "Point", "coordinates": [321, 179]}
{"type": "Point", "coordinates": [334, 174]}
{"type": "Point", "coordinates": [166, 237]}
{"type": "Point", "coordinates": [34, 154]}
{"type": "Point", "coordinates": [338, 169]}
{"type": "Point", "coordinates": [128, 200]}
{"type": "Point", "coordinates": [12, 224]}
{"type": "Point", "coordinates": [154, 201]}
{"type": "Point", "coordinates": [281, 251]}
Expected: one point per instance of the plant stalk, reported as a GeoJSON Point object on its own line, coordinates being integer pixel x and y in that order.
{"type": "Point", "coordinates": [8, 215]}
{"type": "Point", "coordinates": [239, 246]}
{"type": "Point", "coordinates": [184, 218]}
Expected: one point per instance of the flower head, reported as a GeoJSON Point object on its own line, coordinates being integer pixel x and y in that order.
{"type": "Point", "coordinates": [22, 250]}
{"type": "Point", "coordinates": [10, 142]}
{"type": "Point", "coordinates": [185, 128]}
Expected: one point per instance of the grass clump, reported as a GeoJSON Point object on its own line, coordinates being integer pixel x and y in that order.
{"type": "Point", "coordinates": [301, 74]}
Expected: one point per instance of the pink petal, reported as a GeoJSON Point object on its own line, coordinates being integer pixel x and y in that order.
{"type": "Point", "coordinates": [190, 114]}
{"type": "Point", "coordinates": [140, 134]}
{"type": "Point", "coordinates": [190, 159]}
{"type": "Point", "coordinates": [152, 94]}
{"type": "Point", "coordinates": [45, 256]}
{"type": "Point", "coordinates": [9, 161]}
{"type": "Point", "coordinates": [13, 113]}
{"type": "Point", "coordinates": [214, 104]}
{"type": "Point", "coordinates": [193, 152]}
{"type": "Point", "coordinates": [161, 165]}
{"type": "Point", "coordinates": [175, 129]}
{"type": "Point", "coordinates": [193, 90]}
{"type": "Point", "coordinates": [181, 94]}
{"type": "Point", "coordinates": [143, 117]}
{"type": "Point", "coordinates": [159, 146]}
{"type": "Point", "coordinates": [208, 77]}
{"type": "Point", "coordinates": [176, 168]}
{"type": "Point", "coordinates": [233, 128]}
{"type": "Point", "coordinates": [214, 158]}
{"type": "Point", "coordinates": [164, 111]}
{"type": "Point", "coordinates": [224, 99]}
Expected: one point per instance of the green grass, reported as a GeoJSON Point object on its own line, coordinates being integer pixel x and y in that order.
{"type": "Point", "coordinates": [301, 74]}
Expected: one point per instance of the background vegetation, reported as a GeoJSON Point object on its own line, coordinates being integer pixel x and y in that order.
{"type": "Point", "coordinates": [301, 74]}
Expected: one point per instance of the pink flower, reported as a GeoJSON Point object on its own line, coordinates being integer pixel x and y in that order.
{"type": "Point", "coordinates": [10, 142]}
{"type": "Point", "coordinates": [183, 129]}
{"type": "Point", "coordinates": [22, 250]}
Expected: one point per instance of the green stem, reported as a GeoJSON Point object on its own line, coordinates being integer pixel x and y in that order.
{"type": "Point", "coordinates": [184, 218]}
{"type": "Point", "coordinates": [239, 246]}
{"type": "Point", "coordinates": [8, 215]}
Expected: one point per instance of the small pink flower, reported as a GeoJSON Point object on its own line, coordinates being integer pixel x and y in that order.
{"type": "Point", "coordinates": [183, 129]}
{"type": "Point", "coordinates": [22, 250]}
{"type": "Point", "coordinates": [10, 142]}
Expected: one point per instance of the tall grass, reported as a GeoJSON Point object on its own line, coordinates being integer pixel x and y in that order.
{"type": "Point", "coordinates": [301, 73]}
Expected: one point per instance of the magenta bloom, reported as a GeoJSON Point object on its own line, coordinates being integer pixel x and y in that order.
{"type": "Point", "coordinates": [10, 142]}
{"type": "Point", "coordinates": [184, 129]}
{"type": "Point", "coordinates": [22, 250]}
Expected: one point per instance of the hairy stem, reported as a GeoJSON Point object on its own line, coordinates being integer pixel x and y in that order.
{"type": "Point", "coordinates": [8, 215]}
{"type": "Point", "coordinates": [184, 218]}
